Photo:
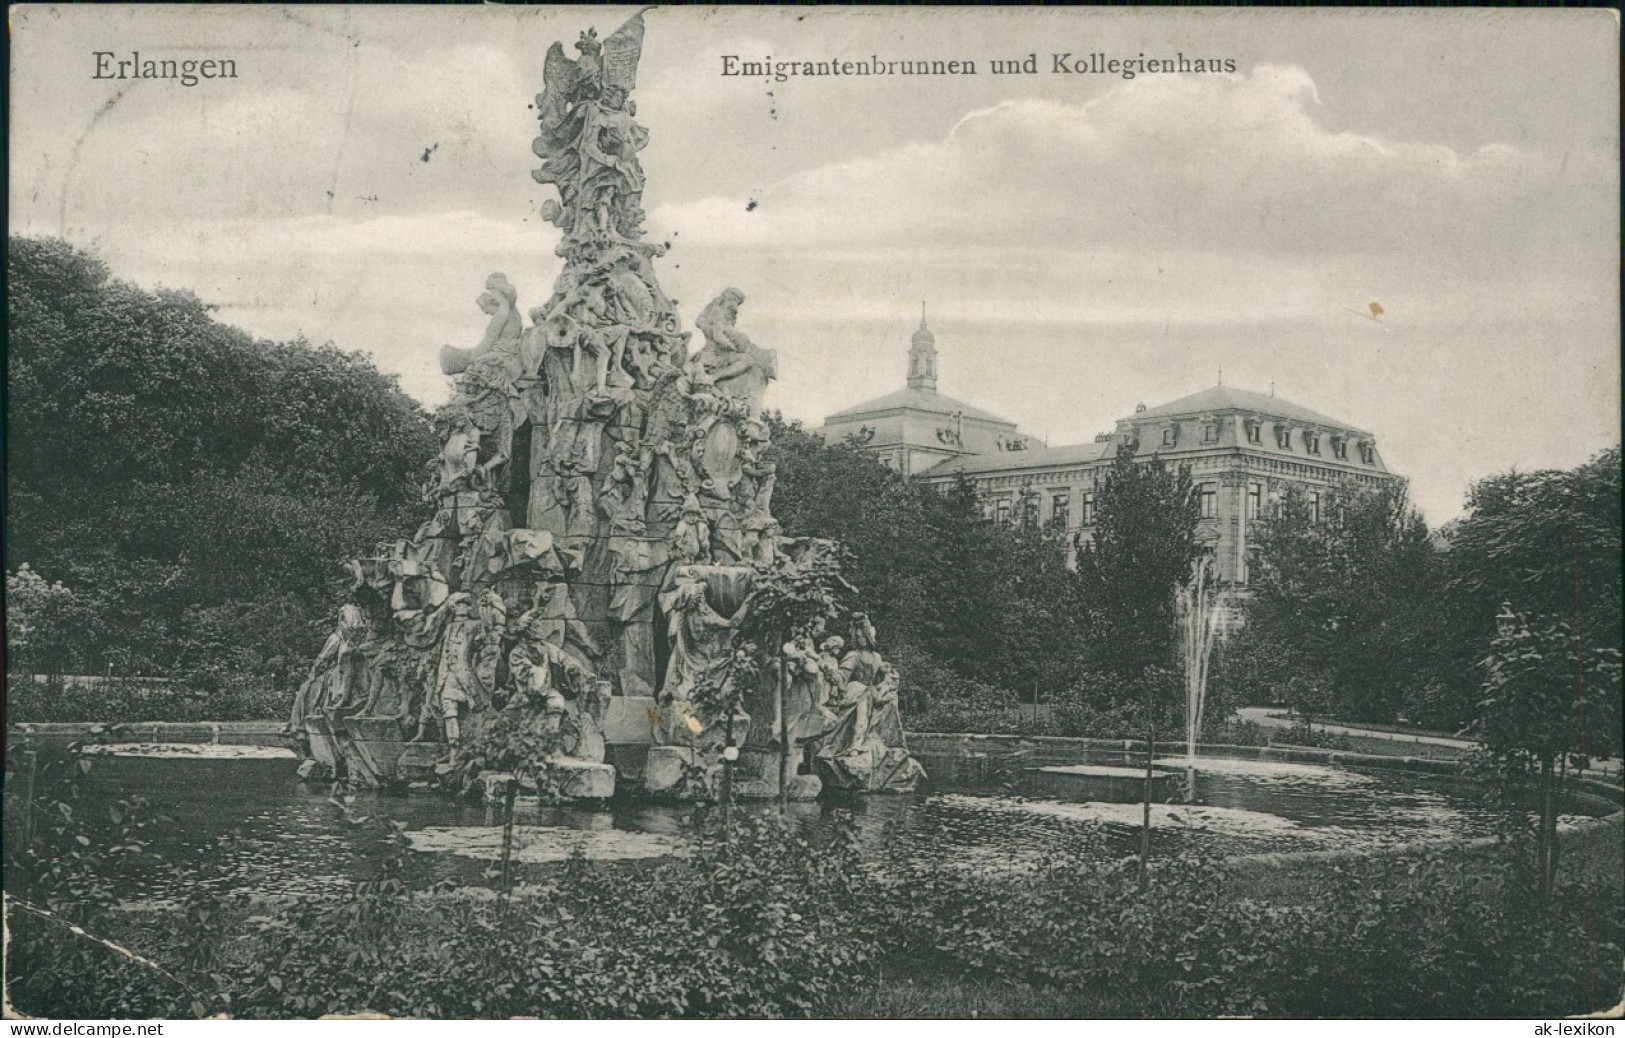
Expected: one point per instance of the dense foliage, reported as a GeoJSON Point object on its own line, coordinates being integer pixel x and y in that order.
{"type": "Point", "coordinates": [962, 604]}
{"type": "Point", "coordinates": [1363, 614]}
{"type": "Point", "coordinates": [1343, 605]}
{"type": "Point", "coordinates": [1545, 543]}
{"type": "Point", "coordinates": [192, 489]}
{"type": "Point", "coordinates": [1143, 547]}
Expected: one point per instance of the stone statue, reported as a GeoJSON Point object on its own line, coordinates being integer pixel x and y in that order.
{"type": "Point", "coordinates": [806, 694]}
{"type": "Point", "coordinates": [644, 475]}
{"type": "Point", "coordinates": [589, 141]}
{"type": "Point", "coordinates": [864, 746]}
{"type": "Point", "coordinates": [561, 683]}
{"type": "Point", "coordinates": [492, 375]}
{"type": "Point", "coordinates": [338, 678]}
{"type": "Point", "coordinates": [691, 539]}
{"type": "Point", "coordinates": [700, 636]}
{"type": "Point", "coordinates": [611, 178]}
{"type": "Point", "coordinates": [465, 672]}
{"type": "Point", "coordinates": [736, 366]}
{"type": "Point", "coordinates": [543, 670]}
{"type": "Point", "coordinates": [501, 301]}
{"type": "Point", "coordinates": [622, 502]}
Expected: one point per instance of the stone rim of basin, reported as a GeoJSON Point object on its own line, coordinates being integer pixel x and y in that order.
{"type": "Point", "coordinates": [1103, 770]}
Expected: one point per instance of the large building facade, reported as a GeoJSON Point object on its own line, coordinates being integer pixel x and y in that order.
{"type": "Point", "coordinates": [916, 428]}
{"type": "Point", "coordinates": [1243, 450]}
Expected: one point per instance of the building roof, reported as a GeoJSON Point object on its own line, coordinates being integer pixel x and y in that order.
{"type": "Point", "coordinates": [918, 400]}
{"type": "Point", "coordinates": [1226, 398]}
{"type": "Point", "coordinates": [1033, 458]}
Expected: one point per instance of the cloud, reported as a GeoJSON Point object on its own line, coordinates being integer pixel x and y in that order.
{"type": "Point", "coordinates": [1079, 252]}
{"type": "Point", "coordinates": [342, 129]}
{"type": "Point", "coordinates": [1229, 163]}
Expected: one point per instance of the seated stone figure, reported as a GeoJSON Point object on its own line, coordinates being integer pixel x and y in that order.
{"type": "Point", "coordinates": [738, 368]}
{"type": "Point", "coordinates": [864, 747]}
{"type": "Point", "coordinates": [559, 681]}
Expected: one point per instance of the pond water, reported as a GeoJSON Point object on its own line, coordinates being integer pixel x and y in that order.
{"type": "Point", "coordinates": [247, 824]}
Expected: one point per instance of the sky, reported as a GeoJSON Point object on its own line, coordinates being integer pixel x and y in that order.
{"type": "Point", "coordinates": [1082, 242]}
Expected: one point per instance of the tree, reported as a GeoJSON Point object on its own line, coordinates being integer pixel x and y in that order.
{"type": "Point", "coordinates": [1548, 700]}
{"type": "Point", "coordinates": [196, 487]}
{"type": "Point", "coordinates": [1344, 604]}
{"type": "Point", "coordinates": [1548, 543]}
{"type": "Point", "coordinates": [42, 623]}
{"type": "Point", "coordinates": [992, 601]}
{"type": "Point", "coordinates": [1142, 552]}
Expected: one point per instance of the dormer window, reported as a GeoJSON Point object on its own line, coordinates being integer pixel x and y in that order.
{"type": "Point", "coordinates": [1210, 432]}
{"type": "Point", "coordinates": [1340, 448]}
{"type": "Point", "coordinates": [1368, 452]}
{"type": "Point", "coordinates": [1170, 436]}
{"type": "Point", "coordinates": [1255, 430]}
{"type": "Point", "coordinates": [1283, 437]}
{"type": "Point", "coordinates": [1311, 442]}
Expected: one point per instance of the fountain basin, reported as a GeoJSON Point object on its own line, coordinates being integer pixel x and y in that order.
{"type": "Point", "coordinates": [1100, 783]}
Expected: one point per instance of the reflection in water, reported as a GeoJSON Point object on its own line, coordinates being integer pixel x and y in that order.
{"type": "Point", "coordinates": [250, 826]}
{"type": "Point", "coordinates": [1270, 772]}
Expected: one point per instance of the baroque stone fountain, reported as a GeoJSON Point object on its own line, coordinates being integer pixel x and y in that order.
{"type": "Point", "coordinates": [601, 523]}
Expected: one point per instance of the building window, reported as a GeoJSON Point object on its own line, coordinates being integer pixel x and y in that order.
{"type": "Point", "coordinates": [1059, 506]}
{"type": "Point", "coordinates": [1255, 499]}
{"type": "Point", "coordinates": [1088, 516]}
{"type": "Point", "coordinates": [1311, 442]}
{"type": "Point", "coordinates": [1170, 436]}
{"type": "Point", "coordinates": [1314, 506]}
{"type": "Point", "coordinates": [1340, 448]}
{"type": "Point", "coordinates": [1001, 511]}
{"type": "Point", "coordinates": [1210, 501]}
{"type": "Point", "coordinates": [1283, 437]}
{"type": "Point", "coordinates": [1368, 453]}
{"type": "Point", "coordinates": [1029, 509]}
{"type": "Point", "coordinates": [1210, 432]}
{"type": "Point", "coordinates": [1255, 431]}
